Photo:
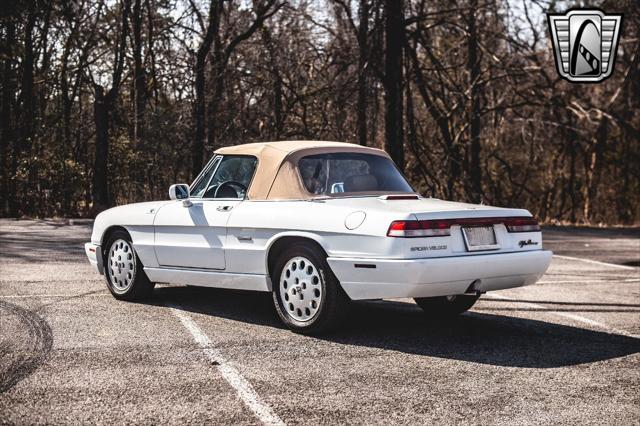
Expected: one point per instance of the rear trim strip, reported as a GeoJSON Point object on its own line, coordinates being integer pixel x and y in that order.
{"type": "Point", "coordinates": [364, 265]}
{"type": "Point", "coordinates": [441, 227]}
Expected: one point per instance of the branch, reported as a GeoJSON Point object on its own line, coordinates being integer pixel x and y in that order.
{"type": "Point", "coordinates": [261, 16]}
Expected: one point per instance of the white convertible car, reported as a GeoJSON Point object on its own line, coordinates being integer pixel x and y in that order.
{"type": "Point", "coordinates": [317, 224]}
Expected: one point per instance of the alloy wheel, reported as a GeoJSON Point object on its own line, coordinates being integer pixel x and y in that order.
{"type": "Point", "coordinates": [300, 289]}
{"type": "Point", "coordinates": [121, 265]}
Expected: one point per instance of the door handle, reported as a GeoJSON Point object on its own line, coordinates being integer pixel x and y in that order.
{"type": "Point", "coordinates": [224, 208]}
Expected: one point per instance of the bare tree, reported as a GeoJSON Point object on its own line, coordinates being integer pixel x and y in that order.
{"type": "Point", "coordinates": [222, 52]}
{"type": "Point", "coordinates": [103, 104]}
{"type": "Point", "coordinates": [392, 81]}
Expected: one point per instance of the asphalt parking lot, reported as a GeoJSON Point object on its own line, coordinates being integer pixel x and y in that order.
{"type": "Point", "coordinates": [566, 350]}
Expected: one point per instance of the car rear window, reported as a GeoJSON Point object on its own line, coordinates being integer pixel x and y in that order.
{"type": "Point", "coordinates": [335, 174]}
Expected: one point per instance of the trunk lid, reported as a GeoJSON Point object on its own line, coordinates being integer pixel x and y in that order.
{"type": "Point", "coordinates": [460, 242]}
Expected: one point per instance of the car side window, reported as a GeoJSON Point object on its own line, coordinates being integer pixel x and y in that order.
{"type": "Point", "coordinates": [334, 174]}
{"type": "Point", "coordinates": [202, 182]}
{"type": "Point", "coordinates": [232, 177]}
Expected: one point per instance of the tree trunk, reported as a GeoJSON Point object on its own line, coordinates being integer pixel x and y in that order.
{"type": "Point", "coordinates": [27, 112]}
{"type": "Point", "coordinates": [363, 58]}
{"type": "Point", "coordinates": [7, 141]}
{"type": "Point", "coordinates": [218, 69]}
{"type": "Point", "coordinates": [276, 81]}
{"type": "Point", "coordinates": [594, 168]}
{"type": "Point", "coordinates": [139, 79]}
{"type": "Point", "coordinates": [151, 11]}
{"type": "Point", "coordinates": [394, 32]}
{"type": "Point", "coordinates": [197, 148]}
{"type": "Point", "coordinates": [473, 69]}
{"type": "Point", "coordinates": [102, 105]}
{"type": "Point", "coordinates": [99, 190]}
{"type": "Point", "coordinates": [67, 103]}
{"type": "Point", "coordinates": [571, 146]}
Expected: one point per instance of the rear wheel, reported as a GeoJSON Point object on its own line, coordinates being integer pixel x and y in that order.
{"type": "Point", "coordinates": [306, 294]}
{"type": "Point", "coordinates": [124, 272]}
{"type": "Point", "coordinates": [446, 306]}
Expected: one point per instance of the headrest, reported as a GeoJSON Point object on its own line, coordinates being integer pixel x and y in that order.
{"type": "Point", "coordinates": [361, 183]}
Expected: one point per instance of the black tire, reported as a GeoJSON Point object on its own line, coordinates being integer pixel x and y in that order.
{"type": "Point", "coordinates": [332, 302]}
{"type": "Point", "coordinates": [446, 306]}
{"type": "Point", "coordinates": [125, 276]}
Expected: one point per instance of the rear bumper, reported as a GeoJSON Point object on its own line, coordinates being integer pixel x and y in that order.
{"type": "Point", "coordinates": [93, 252]}
{"type": "Point", "coordinates": [384, 278]}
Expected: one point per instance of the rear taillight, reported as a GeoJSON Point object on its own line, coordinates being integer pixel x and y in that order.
{"type": "Point", "coordinates": [442, 227]}
{"type": "Point", "coordinates": [400, 197]}
{"type": "Point", "coordinates": [405, 228]}
{"type": "Point", "coordinates": [521, 224]}
{"type": "Point", "coordinates": [419, 228]}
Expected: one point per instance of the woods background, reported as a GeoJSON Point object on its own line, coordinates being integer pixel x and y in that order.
{"type": "Point", "coordinates": [105, 102]}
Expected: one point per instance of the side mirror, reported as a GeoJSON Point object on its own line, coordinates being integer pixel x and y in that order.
{"type": "Point", "coordinates": [180, 191]}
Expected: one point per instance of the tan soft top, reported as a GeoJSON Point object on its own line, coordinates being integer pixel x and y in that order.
{"type": "Point", "coordinates": [277, 176]}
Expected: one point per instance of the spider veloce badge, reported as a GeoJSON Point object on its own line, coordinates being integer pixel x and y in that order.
{"type": "Point", "coordinates": [585, 42]}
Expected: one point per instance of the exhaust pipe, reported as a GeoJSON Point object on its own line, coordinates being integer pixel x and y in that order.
{"type": "Point", "coordinates": [474, 288]}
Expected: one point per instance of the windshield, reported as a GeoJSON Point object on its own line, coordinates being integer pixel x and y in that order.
{"type": "Point", "coordinates": [228, 176]}
{"type": "Point", "coordinates": [351, 174]}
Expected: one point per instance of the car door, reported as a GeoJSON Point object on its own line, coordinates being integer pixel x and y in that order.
{"type": "Point", "coordinates": [193, 234]}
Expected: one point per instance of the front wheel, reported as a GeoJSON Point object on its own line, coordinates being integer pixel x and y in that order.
{"type": "Point", "coordinates": [446, 306]}
{"type": "Point", "coordinates": [306, 294]}
{"type": "Point", "coordinates": [124, 272]}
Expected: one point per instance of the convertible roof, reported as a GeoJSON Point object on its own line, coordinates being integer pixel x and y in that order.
{"type": "Point", "coordinates": [277, 177]}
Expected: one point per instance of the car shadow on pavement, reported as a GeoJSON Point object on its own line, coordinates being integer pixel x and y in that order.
{"type": "Point", "coordinates": [25, 247]}
{"type": "Point", "coordinates": [479, 337]}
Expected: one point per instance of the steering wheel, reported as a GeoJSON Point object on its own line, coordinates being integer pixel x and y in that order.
{"type": "Point", "coordinates": [230, 184]}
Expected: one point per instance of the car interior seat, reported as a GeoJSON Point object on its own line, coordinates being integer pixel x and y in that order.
{"type": "Point", "coordinates": [361, 183]}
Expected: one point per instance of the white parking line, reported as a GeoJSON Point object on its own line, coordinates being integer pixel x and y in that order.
{"type": "Point", "coordinates": [244, 389]}
{"type": "Point", "coordinates": [626, 280]}
{"type": "Point", "coordinates": [588, 241]}
{"type": "Point", "coordinates": [45, 296]}
{"type": "Point", "coordinates": [597, 262]}
{"type": "Point", "coordinates": [568, 315]}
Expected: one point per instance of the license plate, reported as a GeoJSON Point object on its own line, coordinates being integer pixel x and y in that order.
{"type": "Point", "coordinates": [480, 238]}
